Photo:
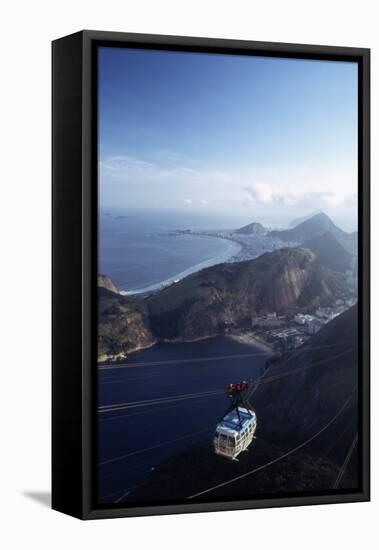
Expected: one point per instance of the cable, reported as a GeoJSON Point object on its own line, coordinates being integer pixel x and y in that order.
{"type": "Point", "coordinates": [148, 402]}
{"type": "Point", "coordinates": [101, 420]}
{"type": "Point", "coordinates": [288, 453]}
{"type": "Point", "coordinates": [133, 453]}
{"type": "Point", "coordinates": [116, 379]}
{"type": "Point", "coordinates": [210, 393]}
{"type": "Point", "coordinates": [346, 462]}
{"type": "Point", "coordinates": [109, 367]}
{"type": "Point", "coordinates": [179, 361]}
{"type": "Point", "coordinates": [313, 348]}
{"type": "Point", "coordinates": [264, 380]}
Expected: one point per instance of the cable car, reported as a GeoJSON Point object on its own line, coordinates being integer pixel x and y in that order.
{"type": "Point", "coordinates": [235, 432]}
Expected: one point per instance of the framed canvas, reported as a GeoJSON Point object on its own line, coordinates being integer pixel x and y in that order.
{"type": "Point", "coordinates": [210, 274]}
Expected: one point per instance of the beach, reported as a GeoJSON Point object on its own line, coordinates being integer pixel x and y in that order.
{"type": "Point", "coordinates": [232, 249]}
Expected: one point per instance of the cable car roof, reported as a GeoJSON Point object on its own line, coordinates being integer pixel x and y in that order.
{"type": "Point", "coordinates": [232, 422]}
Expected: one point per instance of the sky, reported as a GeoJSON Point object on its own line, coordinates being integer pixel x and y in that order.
{"type": "Point", "coordinates": [241, 137]}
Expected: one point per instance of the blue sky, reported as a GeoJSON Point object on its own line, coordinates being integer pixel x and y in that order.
{"type": "Point", "coordinates": [245, 137]}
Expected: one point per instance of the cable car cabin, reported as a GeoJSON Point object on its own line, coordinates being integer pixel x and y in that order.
{"type": "Point", "coordinates": [235, 432]}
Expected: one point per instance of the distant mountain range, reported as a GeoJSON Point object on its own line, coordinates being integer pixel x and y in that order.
{"type": "Point", "coordinates": [314, 227]}
{"type": "Point", "coordinates": [215, 299]}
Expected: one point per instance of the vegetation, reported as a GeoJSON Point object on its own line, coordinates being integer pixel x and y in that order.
{"type": "Point", "coordinates": [216, 299]}
{"type": "Point", "coordinates": [123, 325]}
{"type": "Point", "coordinates": [228, 295]}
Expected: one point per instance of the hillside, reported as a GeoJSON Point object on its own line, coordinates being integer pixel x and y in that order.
{"type": "Point", "coordinates": [212, 301]}
{"type": "Point", "coordinates": [314, 227]}
{"type": "Point", "coordinates": [103, 281]}
{"type": "Point", "coordinates": [228, 295]}
{"type": "Point", "coordinates": [123, 325]}
{"type": "Point", "coordinates": [325, 374]}
{"type": "Point", "coordinates": [254, 228]}
{"type": "Point", "coordinates": [330, 252]}
{"type": "Point", "coordinates": [307, 424]}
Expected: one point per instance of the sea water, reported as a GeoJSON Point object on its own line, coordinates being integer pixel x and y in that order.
{"type": "Point", "coordinates": [140, 252]}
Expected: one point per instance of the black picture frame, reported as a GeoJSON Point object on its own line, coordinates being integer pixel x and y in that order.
{"type": "Point", "coordinates": [74, 270]}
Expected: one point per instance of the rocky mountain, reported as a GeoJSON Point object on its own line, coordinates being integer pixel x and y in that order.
{"type": "Point", "coordinates": [123, 325]}
{"type": "Point", "coordinates": [330, 252]}
{"type": "Point", "coordinates": [103, 281]}
{"type": "Point", "coordinates": [227, 295]}
{"type": "Point", "coordinates": [216, 299]}
{"type": "Point", "coordinates": [307, 415]}
{"type": "Point", "coordinates": [315, 226]}
{"type": "Point", "coordinates": [254, 228]}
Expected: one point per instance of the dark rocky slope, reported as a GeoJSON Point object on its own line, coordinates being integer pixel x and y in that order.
{"type": "Point", "coordinates": [316, 402]}
{"type": "Point", "coordinates": [320, 377]}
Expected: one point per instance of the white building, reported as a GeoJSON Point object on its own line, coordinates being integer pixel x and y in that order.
{"type": "Point", "coordinates": [302, 319]}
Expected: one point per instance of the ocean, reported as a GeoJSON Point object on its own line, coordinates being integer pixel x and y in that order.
{"type": "Point", "coordinates": [171, 395]}
{"type": "Point", "coordinates": [138, 253]}
{"type": "Point", "coordinates": [166, 398]}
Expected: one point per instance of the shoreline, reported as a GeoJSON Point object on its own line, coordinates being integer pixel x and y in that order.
{"type": "Point", "coordinates": [109, 360]}
{"type": "Point", "coordinates": [252, 340]}
{"type": "Point", "coordinates": [246, 338]}
{"type": "Point", "coordinates": [234, 248]}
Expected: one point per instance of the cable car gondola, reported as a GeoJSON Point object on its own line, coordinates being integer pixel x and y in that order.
{"type": "Point", "coordinates": [235, 432]}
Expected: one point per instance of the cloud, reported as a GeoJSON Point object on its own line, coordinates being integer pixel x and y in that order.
{"type": "Point", "coordinates": [260, 192]}
{"type": "Point", "coordinates": [267, 194]}
{"type": "Point", "coordinates": [269, 191]}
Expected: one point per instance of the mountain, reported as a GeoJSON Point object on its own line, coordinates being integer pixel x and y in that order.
{"type": "Point", "coordinates": [123, 325]}
{"type": "Point", "coordinates": [319, 378]}
{"type": "Point", "coordinates": [213, 300]}
{"type": "Point", "coordinates": [306, 437]}
{"type": "Point", "coordinates": [254, 228]}
{"type": "Point", "coordinates": [314, 227]}
{"type": "Point", "coordinates": [353, 242]}
{"type": "Point", "coordinates": [103, 281]}
{"type": "Point", "coordinates": [297, 221]}
{"type": "Point", "coordinates": [227, 295]}
{"type": "Point", "coordinates": [330, 252]}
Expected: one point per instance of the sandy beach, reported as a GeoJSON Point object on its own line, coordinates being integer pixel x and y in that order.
{"type": "Point", "coordinates": [251, 339]}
